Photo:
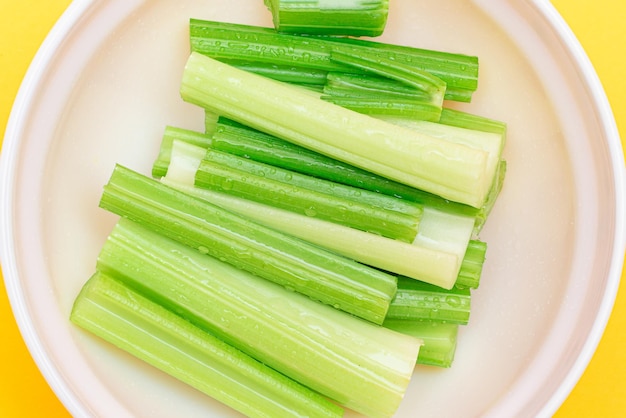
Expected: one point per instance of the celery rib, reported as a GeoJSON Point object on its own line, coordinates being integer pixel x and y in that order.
{"type": "Point", "coordinates": [310, 196]}
{"type": "Point", "coordinates": [453, 171]}
{"type": "Point", "coordinates": [306, 268]}
{"type": "Point", "coordinates": [114, 312]}
{"type": "Point", "coordinates": [341, 17]}
{"type": "Point", "coordinates": [363, 366]}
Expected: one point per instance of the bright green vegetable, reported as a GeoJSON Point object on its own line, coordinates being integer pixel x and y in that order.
{"type": "Point", "coordinates": [171, 133]}
{"type": "Point", "coordinates": [118, 314]}
{"type": "Point", "coordinates": [360, 365]}
{"type": "Point", "coordinates": [293, 263]}
{"type": "Point", "coordinates": [240, 140]}
{"type": "Point", "coordinates": [420, 301]}
{"type": "Point", "coordinates": [453, 171]}
{"type": "Point", "coordinates": [338, 17]}
{"type": "Point", "coordinates": [368, 211]}
{"type": "Point", "coordinates": [256, 47]}
{"type": "Point", "coordinates": [440, 340]}
{"type": "Point", "coordinates": [472, 265]}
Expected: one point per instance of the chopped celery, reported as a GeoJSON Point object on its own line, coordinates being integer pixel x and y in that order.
{"type": "Point", "coordinates": [432, 266]}
{"type": "Point", "coordinates": [387, 106]}
{"type": "Point", "coordinates": [472, 265]}
{"type": "Point", "coordinates": [440, 340]}
{"type": "Point", "coordinates": [291, 262]}
{"type": "Point", "coordinates": [243, 44]}
{"type": "Point", "coordinates": [239, 140]}
{"type": "Point", "coordinates": [358, 364]}
{"type": "Point", "coordinates": [113, 311]}
{"type": "Point", "coordinates": [454, 171]}
{"type": "Point", "coordinates": [417, 301]}
{"type": "Point", "coordinates": [420, 80]}
{"type": "Point", "coordinates": [338, 17]}
{"type": "Point", "coordinates": [171, 133]}
{"type": "Point", "coordinates": [470, 121]}
{"type": "Point", "coordinates": [317, 198]}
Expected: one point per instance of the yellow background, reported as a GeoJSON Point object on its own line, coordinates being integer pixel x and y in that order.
{"type": "Point", "coordinates": [601, 28]}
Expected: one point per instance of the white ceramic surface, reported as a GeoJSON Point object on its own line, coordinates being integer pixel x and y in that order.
{"type": "Point", "coordinates": [105, 84]}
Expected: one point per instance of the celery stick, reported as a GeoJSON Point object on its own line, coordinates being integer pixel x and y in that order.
{"type": "Point", "coordinates": [471, 121]}
{"type": "Point", "coordinates": [358, 364]}
{"type": "Point", "coordinates": [417, 301]}
{"type": "Point", "coordinates": [339, 17]}
{"type": "Point", "coordinates": [387, 106]}
{"type": "Point", "coordinates": [472, 265]}
{"type": "Point", "coordinates": [345, 205]}
{"type": "Point", "coordinates": [453, 171]}
{"type": "Point", "coordinates": [236, 43]}
{"type": "Point", "coordinates": [303, 267]}
{"type": "Point", "coordinates": [440, 340]}
{"type": "Point", "coordinates": [125, 318]}
{"type": "Point", "coordinates": [432, 266]}
{"type": "Point", "coordinates": [159, 167]}
{"type": "Point", "coordinates": [420, 80]}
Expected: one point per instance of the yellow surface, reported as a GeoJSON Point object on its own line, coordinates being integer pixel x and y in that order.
{"type": "Point", "coordinates": [601, 29]}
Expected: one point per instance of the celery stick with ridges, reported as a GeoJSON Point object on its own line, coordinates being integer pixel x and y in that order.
{"type": "Point", "coordinates": [346, 205]}
{"type": "Point", "coordinates": [453, 171]}
{"type": "Point", "coordinates": [437, 267]}
{"type": "Point", "coordinates": [358, 364]}
{"type": "Point", "coordinates": [118, 314]}
{"type": "Point", "coordinates": [291, 262]}
{"type": "Point", "coordinates": [324, 17]}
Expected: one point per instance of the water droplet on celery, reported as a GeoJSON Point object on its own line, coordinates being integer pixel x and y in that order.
{"type": "Point", "coordinates": [203, 249]}
{"type": "Point", "coordinates": [227, 184]}
{"type": "Point", "coordinates": [310, 211]}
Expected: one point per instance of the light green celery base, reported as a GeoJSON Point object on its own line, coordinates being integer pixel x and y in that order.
{"type": "Point", "coordinates": [119, 315]}
{"type": "Point", "coordinates": [358, 364]}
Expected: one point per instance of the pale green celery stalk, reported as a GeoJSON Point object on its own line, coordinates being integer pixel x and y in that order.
{"type": "Point", "coordinates": [257, 46]}
{"type": "Point", "coordinates": [453, 171]}
{"type": "Point", "coordinates": [116, 313]}
{"type": "Point", "coordinates": [446, 232]}
{"type": "Point", "coordinates": [436, 267]}
{"type": "Point", "coordinates": [491, 143]}
{"type": "Point", "coordinates": [420, 80]}
{"type": "Point", "coordinates": [440, 340]}
{"type": "Point", "coordinates": [171, 133]}
{"type": "Point", "coordinates": [420, 301]}
{"type": "Point", "coordinates": [368, 211]}
{"type": "Point", "coordinates": [472, 265]}
{"type": "Point", "coordinates": [291, 262]}
{"type": "Point", "coordinates": [363, 366]}
{"type": "Point", "coordinates": [324, 17]}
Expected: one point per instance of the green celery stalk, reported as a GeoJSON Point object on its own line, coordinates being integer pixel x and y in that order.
{"type": "Point", "coordinates": [236, 43]}
{"type": "Point", "coordinates": [436, 267]}
{"type": "Point", "coordinates": [293, 263]}
{"type": "Point", "coordinates": [420, 80]}
{"type": "Point", "coordinates": [418, 301]}
{"type": "Point", "coordinates": [440, 340]}
{"type": "Point", "coordinates": [360, 365]}
{"type": "Point", "coordinates": [472, 265]}
{"type": "Point", "coordinates": [116, 313]}
{"type": "Point", "coordinates": [454, 171]}
{"type": "Point", "coordinates": [471, 121]}
{"type": "Point", "coordinates": [357, 208]}
{"type": "Point", "coordinates": [387, 106]}
{"type": "Point", "coordinates": [240, 140]}
{"type": "Point", "coordinates": [171, 133]}
{"type": "Point", "coordinates": [339, 17]}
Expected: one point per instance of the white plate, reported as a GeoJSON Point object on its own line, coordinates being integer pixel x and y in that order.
{"type": "Point", "coordinates": [105, 84]}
